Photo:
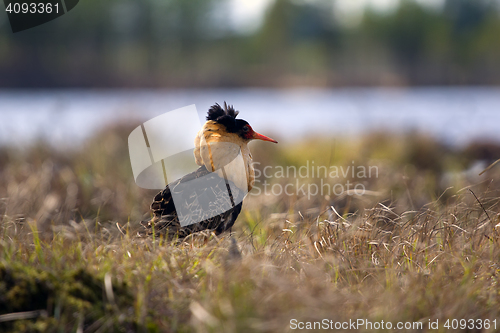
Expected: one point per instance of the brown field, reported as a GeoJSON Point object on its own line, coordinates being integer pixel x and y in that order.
{"type": "Point", "coordinates": [422, 245]}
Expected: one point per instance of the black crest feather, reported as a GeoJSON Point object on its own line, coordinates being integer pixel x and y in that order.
{"type": "Point", "coordinates": [216, 111]}
{"type": "Point", "coordinates": [226, 116]}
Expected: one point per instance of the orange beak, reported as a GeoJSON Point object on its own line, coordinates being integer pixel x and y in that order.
{"type": "Point", "coordinates": [257, 136]}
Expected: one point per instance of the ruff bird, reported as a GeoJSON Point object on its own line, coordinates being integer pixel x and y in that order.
{"type": "Point", "coordinates": [225, 175]}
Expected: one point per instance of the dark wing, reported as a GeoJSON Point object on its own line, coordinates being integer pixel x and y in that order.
{"type": "Point", "coordinates": [201, 200]}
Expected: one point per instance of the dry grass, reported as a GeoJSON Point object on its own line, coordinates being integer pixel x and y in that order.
{"type": "Point", "coordinates": [415, 251]}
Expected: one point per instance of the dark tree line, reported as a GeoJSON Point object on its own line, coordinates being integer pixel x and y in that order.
{"type": "Point", "coordinates": [178, 43]}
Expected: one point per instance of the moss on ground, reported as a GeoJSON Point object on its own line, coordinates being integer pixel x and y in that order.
{"type": "Point", "coordinates": [62, 300]}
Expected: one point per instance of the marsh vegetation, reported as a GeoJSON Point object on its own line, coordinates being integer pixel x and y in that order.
{"type": "Point", "coordinates": [421, 245]}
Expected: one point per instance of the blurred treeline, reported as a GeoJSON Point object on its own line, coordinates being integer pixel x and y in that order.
{"type": "Point", "coordinates": [179, 43]}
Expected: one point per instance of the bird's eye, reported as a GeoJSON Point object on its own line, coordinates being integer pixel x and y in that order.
{"type": "Point", "coordinates": [246, 129]}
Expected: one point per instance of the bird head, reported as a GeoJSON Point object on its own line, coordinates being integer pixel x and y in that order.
{"type": "Point", "coordinates": [240, 127]}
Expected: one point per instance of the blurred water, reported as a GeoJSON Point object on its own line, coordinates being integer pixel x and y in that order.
{"type": "Point", "coordinates": [66, 117]}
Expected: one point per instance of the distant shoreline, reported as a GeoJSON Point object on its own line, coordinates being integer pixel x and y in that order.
{"type": "Point", "coordinates": [453, 115]}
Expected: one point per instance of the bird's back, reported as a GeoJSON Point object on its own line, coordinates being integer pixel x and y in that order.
{"type": "Point", "coordinates": [213, 203]}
